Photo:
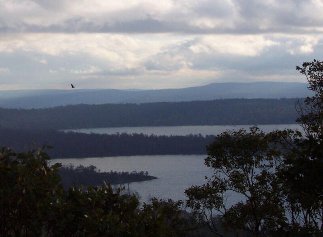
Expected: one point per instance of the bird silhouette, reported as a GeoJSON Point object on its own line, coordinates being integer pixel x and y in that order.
{"type": "Point", "coordinates": [72, 86]}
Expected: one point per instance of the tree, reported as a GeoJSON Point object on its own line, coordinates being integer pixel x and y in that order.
{"type": "Point", "coordinates": [311, 115]}
{"type": "Point", "coordinates": [244, 165]}
{"type": "Point", "coordinates": [28, 188]}
{"type": "Point", "coordinates": [277, 175]}
{"type": "Point", "coordinates": [165, 218]}
{"type": "Point", "coordinates": [97, 211]}
{"type": "Point", "coordinates": [302, 170]}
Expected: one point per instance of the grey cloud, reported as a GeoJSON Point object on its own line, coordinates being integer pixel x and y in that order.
{"type": "Point", "coordinates": [51, 4]}
{"type": "Point", "coordinates": [280, 15]}
{"type": "Point", "coordinates": [148, 25]}
{"type": "Point", "coordinates": [78, 24]}
{"type": "Point", "coordinates": [214, 9]}
{"type": "Point", "coordinates": [240, 17]}
{"type": "Point", "coordinates": [274, 61]}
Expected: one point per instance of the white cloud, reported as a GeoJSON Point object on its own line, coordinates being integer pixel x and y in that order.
{"type": "Point", "coordinates": [89, 70]}
{"type": "Point", "coordinates": [42, 61]}
{"type": "Point", "coordinates": [249, 45]}
{"type": "Point", "coordinates": [306, 46]}
{"type": "Point", "coordinates": [298, 44]}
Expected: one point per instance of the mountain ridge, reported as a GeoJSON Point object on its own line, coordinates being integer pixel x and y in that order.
{"type": "Point", "coordinates": [51, 98]}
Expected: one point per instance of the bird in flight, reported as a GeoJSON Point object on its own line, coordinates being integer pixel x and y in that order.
{"type": "Point", "coordinates": [72, 86]}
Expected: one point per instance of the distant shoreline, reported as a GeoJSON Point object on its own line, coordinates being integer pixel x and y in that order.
{"type": "Point", "coordinates": [91, 176]}
{"type": "Point", "coordinates": [204, 130]}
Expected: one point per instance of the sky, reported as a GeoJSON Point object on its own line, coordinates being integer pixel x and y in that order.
{"type": "Point", "coordinates": [149, 44]}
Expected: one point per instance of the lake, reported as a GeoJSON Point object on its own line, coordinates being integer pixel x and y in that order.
{"type": "Point", "coordinates": [181, 130]}
{"type": "Point", "coordinates": [175, 173]}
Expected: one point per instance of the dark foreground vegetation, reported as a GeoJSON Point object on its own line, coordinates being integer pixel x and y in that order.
{"type": "Point", "coordinates": [278, 176]}
{"type": "Point", "coordinates": [33, 202]}
{"type": "Point", "coordinates": [90, 176]}
{"type": "Point", "coordinates": [72, 145]}
{"type": "Point", "coordinates": [217, 112]}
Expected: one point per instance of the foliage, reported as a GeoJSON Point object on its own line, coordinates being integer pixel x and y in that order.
{"type": "Point", "coordinates": [164, 218]}
{"type": "Point", "coordinates": [244, 165]}
{"type": "Point", "coordinates": [312, 113]}
{"type": "Point", "coordinates": [28, 186]}
{"type": "Point", "coordinates": [34, 203]}
{"type": "Point", "coordinates": [97, 211]}
{"type": "Point", "coordinates": [303, 164]}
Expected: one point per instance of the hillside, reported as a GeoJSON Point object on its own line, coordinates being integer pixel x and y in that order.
{"type": "Point", "coordinates": [216, 112]}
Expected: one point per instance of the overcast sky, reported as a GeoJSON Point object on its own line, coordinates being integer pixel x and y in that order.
{"type": "Point", "coordinates": [140, 44]}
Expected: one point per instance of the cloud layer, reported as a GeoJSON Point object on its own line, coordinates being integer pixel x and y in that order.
{"type": "Point", "coordinates": [155, 44]}
{"type": "Point", "coordinates": [147, 16]}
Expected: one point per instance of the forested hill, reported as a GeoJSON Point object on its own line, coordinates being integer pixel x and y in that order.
{"type": "Point", "coordinates": [77, 145]}
{"type": "Point", "coordinates": [217, 112]}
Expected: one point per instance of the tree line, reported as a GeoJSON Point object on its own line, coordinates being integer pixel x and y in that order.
{"type": "Point", "coordinates": [71, 144]}
{"type": "Point", "coordinates": [91, 176]}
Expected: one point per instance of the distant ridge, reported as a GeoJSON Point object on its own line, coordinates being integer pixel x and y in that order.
{"type": "Point", "coordinates": [52, 98]}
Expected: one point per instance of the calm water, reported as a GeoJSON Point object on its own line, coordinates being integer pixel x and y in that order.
{"type": "Point", "coordinates": [175, 172]}
{"type": "Point", "coordinates": [181, 130]}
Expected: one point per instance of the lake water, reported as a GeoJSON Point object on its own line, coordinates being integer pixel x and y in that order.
{"type": "Point", "coordinates": [175, 173]}
{"type": "Point", "coordinates": [182, 130]}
